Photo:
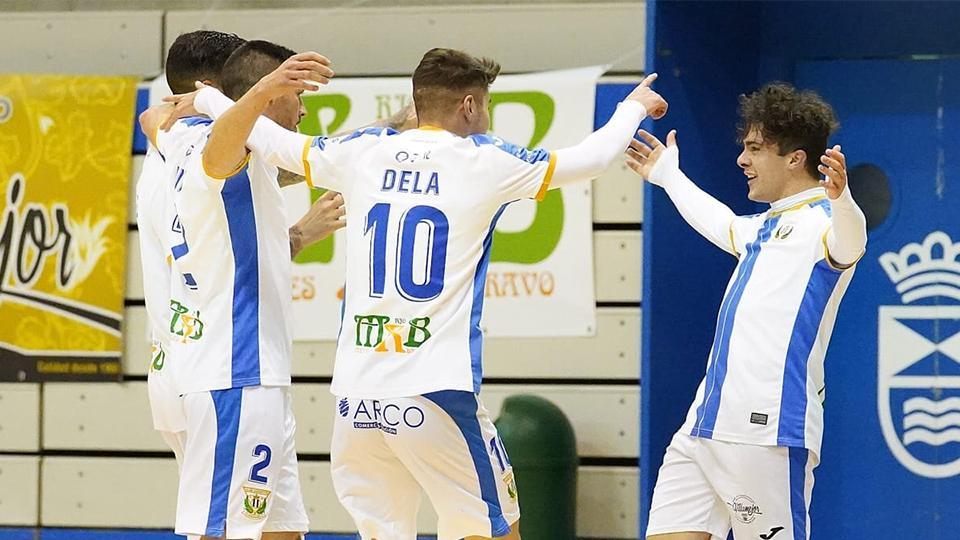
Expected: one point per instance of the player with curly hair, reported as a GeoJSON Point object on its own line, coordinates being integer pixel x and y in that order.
{"type": "Point", "coordinates": [744, 457]}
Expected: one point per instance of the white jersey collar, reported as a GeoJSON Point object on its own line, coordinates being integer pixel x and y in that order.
{"type": "Point", "coordinates": [798, 199]}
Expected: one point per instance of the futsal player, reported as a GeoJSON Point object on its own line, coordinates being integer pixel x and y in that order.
{"type": "Point", "coordinates": [230, 303]}
{"type": "Point", "coordinates": [744, 457]}
{"type": "Point", "coordinates": [422, 207]}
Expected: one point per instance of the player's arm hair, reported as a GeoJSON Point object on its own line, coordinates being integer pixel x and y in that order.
{"type": "Point", "coordinates": [275, 144]}
{"type": "Point", "coordinates": [846, 241]}
{"type": "Point", "coordinates": [594, 155]}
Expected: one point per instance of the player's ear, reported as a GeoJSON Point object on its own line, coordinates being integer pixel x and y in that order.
{"type": "Point", "coordinates": [469, 105]}
{"type": "Point", "coordinates": [797, 159]}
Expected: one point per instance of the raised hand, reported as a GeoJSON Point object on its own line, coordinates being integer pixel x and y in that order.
{"type": "Point", "coordinates": [653, 102]}
{"type": "Point", "coordinates": [324, 217]}
{"type": "Point", "coordinates": [642, 156]}
{"type": "Point", "coordinates": [833, 165]}
{"type": "Point", "coordinates": [180, 106]}
{"type": "Point", "coordinates": [302, 71]}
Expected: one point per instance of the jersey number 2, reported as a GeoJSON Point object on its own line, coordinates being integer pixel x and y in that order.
{"type": "Point", "coordinates": [262, 451]}
{"type": "Point", "coordinates": [435, 261]}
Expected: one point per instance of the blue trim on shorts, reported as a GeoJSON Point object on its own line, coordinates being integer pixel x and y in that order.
{"type": "Point", "coordinates": [462, 408]}
{"type": "Point", "coordinates": [798, 485]}
{"type": "Point", "coordinates": [227, 406]}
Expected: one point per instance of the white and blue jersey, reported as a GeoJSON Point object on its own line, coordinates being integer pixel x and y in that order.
{"type": "Point", "coordinates": [154, 215]}
{"type": "Point", "coordinates": [422, 206]}
{"type": "Point", "coordinates": [764, 383]}
{"type": "Point", "coordinates": [230, 302]}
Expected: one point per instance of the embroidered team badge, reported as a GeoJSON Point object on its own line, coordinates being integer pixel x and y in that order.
{"type": "Point", "coordinates": [511, 483]}
{"type": "Point", "coordinates": [255, 502]}
{"type": "Point", "coordinates": [783, 232]}
{"type": "Point", "coordinates": [918, 357]}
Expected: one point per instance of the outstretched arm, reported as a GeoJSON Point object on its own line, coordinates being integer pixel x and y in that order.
{"type": "Point", "coordinates": [226, 148]}
{"type": "Point", "coordinates": [661, 166]}
{"type": "Point", "coordinates": [846, 240]}
{"type": "Point", "coordinates": [600, 149]}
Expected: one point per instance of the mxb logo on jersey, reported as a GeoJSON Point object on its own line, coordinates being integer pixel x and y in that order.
{"type": "Point", "coordinates": [538, 281]}
{"type": "Point", "coordinates": [185, 323]}
{"type": "Point", "coordinates": [63, 248]}
{"type": "Point", "coordinates": [918, 365]}
{"type": "Point", "coordinates": [382, 333]}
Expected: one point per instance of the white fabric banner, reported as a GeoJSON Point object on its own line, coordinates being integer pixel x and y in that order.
{"type": "Point", "coordinates": [540, 278]}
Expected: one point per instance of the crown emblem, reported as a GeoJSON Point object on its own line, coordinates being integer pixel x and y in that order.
{"type": "Point", "coordinates": [925, 270]}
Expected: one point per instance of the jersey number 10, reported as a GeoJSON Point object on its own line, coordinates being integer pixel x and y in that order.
{"type": "Point", "coordinates": [377, 223]}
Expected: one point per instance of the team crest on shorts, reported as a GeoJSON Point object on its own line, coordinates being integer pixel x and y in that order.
{"type": "Point", "coordinates": [255, 502]}
{"type": "Point", "coordinates": [918, 357]}
{"type": "Point", "coordinates": [511, 483]}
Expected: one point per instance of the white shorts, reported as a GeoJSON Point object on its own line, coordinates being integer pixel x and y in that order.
{"type": "Point", "coordinates": [177, 442]}
{"type": "Point", "coordinates": [383, 451]}
{"type": "Point", "coordinates": [239, 476]}
{"type": "Point", "coordinates": [713, 486]}
{"type": "Point", "coordinates": [166, 405]}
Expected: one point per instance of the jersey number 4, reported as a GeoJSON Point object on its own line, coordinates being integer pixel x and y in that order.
{"type": "Point", "coordinates": [436, 227]}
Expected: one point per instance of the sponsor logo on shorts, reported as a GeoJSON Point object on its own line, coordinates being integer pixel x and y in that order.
{"type": "Point", "coordinates": [344, 407]}
{"type": "Point", "coordinates": [745, 509]}
{"type": "Point", "coordinates": [255, 502]}
{"type": "Point", "coordinates": [383, 333]}
{"type": "Point", "coordinates": [185, 323]}
{"type": "Point", "coordinates": [773, 532]}
{"type": "Point", "coordinates": [371, 414]}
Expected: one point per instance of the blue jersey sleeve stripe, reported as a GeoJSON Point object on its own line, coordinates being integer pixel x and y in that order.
{"type": "Point", "coordinates": [530, 156]}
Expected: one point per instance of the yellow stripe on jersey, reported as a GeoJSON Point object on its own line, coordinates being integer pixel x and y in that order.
{"type": "Point", "coordinates": [237, 169]}
{"type": "Point", "coordinates": [832, 263]}
{"type": "Point", "coordinates": [306, 162]}
{"type": "Point", "coordinates": [428, 127]}
{"type": "Point", "coordinates": [733, 244]}
{"type": "Point", "coordinates": [799, 205]}
{"type": "Point", "coordinates": [547, 177]}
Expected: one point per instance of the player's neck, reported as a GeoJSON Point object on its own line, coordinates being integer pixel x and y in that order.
{"type": "Point", "coordinates": [453, 125]}
{"type": "Point", "coordinates": [796, 185]}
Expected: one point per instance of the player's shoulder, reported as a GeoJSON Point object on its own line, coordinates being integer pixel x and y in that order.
{"type": "Point", "coordinates": [497, 146]}
{"type": "Point", "coordinates": [363, 134]}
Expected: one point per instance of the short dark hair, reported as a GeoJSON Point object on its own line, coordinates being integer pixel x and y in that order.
{"type": "Point", "coordinates": [791, 118]}
{"type": "Point", "coordinates": [249, 63]}
{"type": "Point", "coordinates": [198, 56]}
{"type": "Point", "coordinates": [444, 76]}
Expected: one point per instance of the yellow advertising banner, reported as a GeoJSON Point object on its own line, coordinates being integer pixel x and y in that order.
{"type": "Point", "coordinates": [64, 171]}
